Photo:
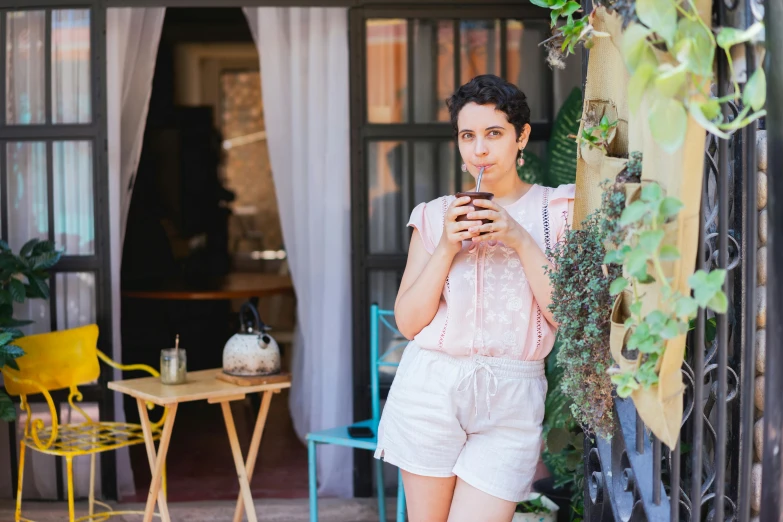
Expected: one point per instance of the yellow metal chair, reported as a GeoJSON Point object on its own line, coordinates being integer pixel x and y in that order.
{"type": "Point", "coordinates": [64, 360]}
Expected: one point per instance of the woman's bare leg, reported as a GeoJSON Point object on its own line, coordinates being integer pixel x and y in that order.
{"type": "Point", "coordinates": [470, 505]}
{"type": "Point", "coordinates": [428, 498]}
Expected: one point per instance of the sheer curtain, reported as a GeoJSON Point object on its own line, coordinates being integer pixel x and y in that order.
{"type": "Point", "coordinates": [304, 78]}
{"type": "Point", "coordinates": [132, 39]}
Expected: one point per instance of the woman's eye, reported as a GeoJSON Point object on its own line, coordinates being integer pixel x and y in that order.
{"type": "Point", "coordinates": [467, 136]}
{"type": "Point", "coordinates": [494, 133]}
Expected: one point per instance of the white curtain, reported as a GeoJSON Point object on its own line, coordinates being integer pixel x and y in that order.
{"type": "Point", "coordinates": [304, 79]}
{"type": "Point", "coordinates": [132, 39]}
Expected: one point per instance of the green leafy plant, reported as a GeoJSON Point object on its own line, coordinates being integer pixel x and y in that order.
{"type": "Point", "coordinates": [23, 276]}
{"type": "Point", "coordinates": [598, 136]}
{"type": "Point", "coordinates": [642, 225]}
{"type": "Point", "coordinates": [580, 301]}
{"type": "Point", "coordinates": [559, 168]}
{"type": "Point", "coordinates": [534, 505]}
{"type": "Point", "coordinates": [669, 52]}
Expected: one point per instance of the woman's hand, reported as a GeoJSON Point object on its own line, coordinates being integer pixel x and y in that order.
{"type": "Point", "coordinates": [502, 227]}
{"type": "Point", "coordinates": [455, 232]}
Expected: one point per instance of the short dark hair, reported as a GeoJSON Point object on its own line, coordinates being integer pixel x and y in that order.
{"type": "Point", "coordinates": [489, 89]}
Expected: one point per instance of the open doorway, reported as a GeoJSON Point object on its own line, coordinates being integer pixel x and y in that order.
{"type": "Point", "coordinates": [204, 209]}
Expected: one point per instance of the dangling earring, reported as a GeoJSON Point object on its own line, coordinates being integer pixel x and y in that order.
{"type": "Point", "coordinates": [464, 168]}
{"type": "Point", "coordinates": [520, 159]}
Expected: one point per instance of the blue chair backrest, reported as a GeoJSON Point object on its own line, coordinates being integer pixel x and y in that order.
{"type": "Point", "coordinates": [380, 320]}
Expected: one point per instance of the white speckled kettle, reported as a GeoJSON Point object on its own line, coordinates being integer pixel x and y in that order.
{"type": "Point", "coordinates": [251, 352]}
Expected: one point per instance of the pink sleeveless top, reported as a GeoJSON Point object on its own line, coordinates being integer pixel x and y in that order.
{"type": "Point", "coordinates": [487, 306]}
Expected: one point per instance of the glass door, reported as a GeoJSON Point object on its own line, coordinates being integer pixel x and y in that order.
{"type": "Point", "coordinates": [53, 182]}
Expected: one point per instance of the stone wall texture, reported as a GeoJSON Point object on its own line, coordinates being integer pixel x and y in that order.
{"type": "Point", "coordinates": [761, 320]}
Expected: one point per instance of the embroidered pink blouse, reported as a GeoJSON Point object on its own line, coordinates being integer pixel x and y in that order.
{"type": "Point", "coordinates": [487, 307]}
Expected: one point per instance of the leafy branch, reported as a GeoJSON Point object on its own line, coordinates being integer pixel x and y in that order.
{"type": "Point", "coordinates": [643, 223]}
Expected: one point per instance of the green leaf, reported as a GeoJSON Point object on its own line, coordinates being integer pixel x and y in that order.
{"type": "Point", "coordinates": [640, 79]}
{"type": "Point", "coordinates": [561, 150]}
{"type": "Point", "coordinates": [618, 285]}
{"type": "Point", "coordinates": [12, 351]}
{"type": "Point", "coordinates": [701, 113]}
{"type": "Point", "coordinates": [669, 253]}
{"type": "Point", "coordinates": [655, 318]}
{"type": "Point", "coordinates": [540, 3]}
{"type": "Point", "coordinates": [636, 263]}
{"type": "Point", "coordinates": [728, 36]}
{"type": "Point", "coordinates": [636, 307]}
{"type": "Point", "coordinates": [670, 207]}
{"type": "Point", "coordinates": [694, 47]}
{"type": "Point", "coordinates": [553, 16]}
{"type": "Point", "coordinates": [7, 408]}
{"type": "Point", "coordinates": [650, 240]}
{"type": "Point", "coordinates": [45, 260]}
{"type": "Point", "coordinates": [557, 439]}
{"type": "Point", "coordinates": [685, 307]}
{"type": "Point", "coordinates": [660, 16]}
{"type": "Point", "coordinates": [39, 288]}
{"type": "Point", "coordinates": [533, 170]}
{"type": "Point", "coordinates": [570, 8]}
{"type": "Point", "coordinates": [651, 192]}
{"type": "Point", "coordinates": [668, 121]}
{"type": "Point", "coordinates": [635, 47]}
{"type": "Point", "coordinates": [716, 278]}
{"type": "Point", "coordinates": [16, 288]}
{"type": "Point", "coordinates": [671, 330]}
{"type": "Point", "coordinates": [755, 93]}
{"type": "Point", "coordinates": [28, 247]}
{"type": "Point", "coordinates": [670, 80]}
{"type": "Point", "coordinates": [719, 303]}
{"type": "Point", "coordinates": [633, 213]}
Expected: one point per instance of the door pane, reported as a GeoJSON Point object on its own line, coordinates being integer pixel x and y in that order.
{"type": "Point", "coordinates": [387, 71]}
{"type": "Point", "coordinates": [24, 67]}
{"type": "Point", "coordinates": [71, 95]}
{"type": "Point", "coordinates": [526, 65]}
{"type": "Point", "coordinates": [74, 226]}
{"type": "Point", "coordinates": [75, 296]}
{"type": "Point", "coordinates": [479, 48]}
{"type": "Point", "coordinates": [387, 170]}
{"type": "Point", "coordinates": [28, 215]}
{"type": "Point", "coordinates": [433, 64]}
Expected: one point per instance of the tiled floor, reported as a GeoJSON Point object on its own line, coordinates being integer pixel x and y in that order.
{"type": "Point", "coordinates": [268, 510]}
{"type": "Point", "coordinates": [200, 465]}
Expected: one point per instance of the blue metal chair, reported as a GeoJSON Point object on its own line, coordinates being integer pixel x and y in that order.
{"type": "Point", "coordinates": [340, 436]}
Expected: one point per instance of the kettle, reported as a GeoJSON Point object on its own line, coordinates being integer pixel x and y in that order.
{"type": "Point", "coordinates": [251, 352]}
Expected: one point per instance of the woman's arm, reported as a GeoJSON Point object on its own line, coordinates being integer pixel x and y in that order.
{"type": "Point", "coordinates": [422, 282]}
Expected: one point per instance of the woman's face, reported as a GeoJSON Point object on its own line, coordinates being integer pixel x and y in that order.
{"type": "Point", "coordinates": [487, 139]}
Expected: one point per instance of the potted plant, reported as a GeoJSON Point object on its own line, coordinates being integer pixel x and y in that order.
{"type": "Point", "coordinates": [22, 276]}
{"type": "Point", "coordinates": [537, 508]}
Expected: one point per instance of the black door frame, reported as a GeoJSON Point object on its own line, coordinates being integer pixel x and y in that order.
{"type": "Point", "coordinates": [99, 263]}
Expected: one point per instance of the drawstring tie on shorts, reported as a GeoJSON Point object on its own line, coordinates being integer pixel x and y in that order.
{"type": "Point", "coordinates": [492, 382]}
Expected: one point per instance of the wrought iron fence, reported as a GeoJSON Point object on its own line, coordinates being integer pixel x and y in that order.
{"type": "Point", "coordinates": [707, 476]}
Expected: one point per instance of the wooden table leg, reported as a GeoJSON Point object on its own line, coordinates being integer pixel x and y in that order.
{"type": "Point", "coordinates": [157, 462]}
{"type": "Point", "coordinates": [244, 484]}
{"type": "Point", "coordinates": [255, 441]}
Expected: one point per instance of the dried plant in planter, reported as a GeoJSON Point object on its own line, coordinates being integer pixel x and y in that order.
{"type": "Point", "coordinates": [580, 301]}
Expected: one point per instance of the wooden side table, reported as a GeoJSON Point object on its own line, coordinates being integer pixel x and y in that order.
{"type": "Point", "coordinates": [200, 385]}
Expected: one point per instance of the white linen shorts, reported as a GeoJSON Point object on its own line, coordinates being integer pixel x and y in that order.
{"type": "Point", "coordinates": [478, 418]}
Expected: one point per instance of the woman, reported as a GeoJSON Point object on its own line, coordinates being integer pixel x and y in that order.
{"type": "Point", "coordinates": [463, 417]}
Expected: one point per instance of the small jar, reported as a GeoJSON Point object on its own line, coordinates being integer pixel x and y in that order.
{"type": "Point", "coordinates": [173, 365]}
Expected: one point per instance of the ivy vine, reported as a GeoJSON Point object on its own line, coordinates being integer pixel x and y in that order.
{"type": "Point", "coordinates": [669, 52]}
{"type": "Point", "coordinates": [642, 225]}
